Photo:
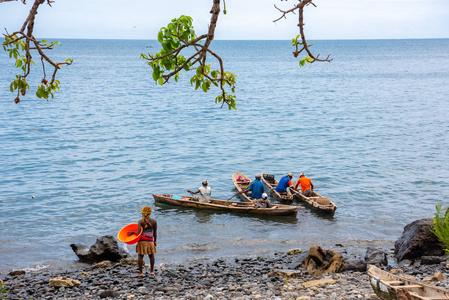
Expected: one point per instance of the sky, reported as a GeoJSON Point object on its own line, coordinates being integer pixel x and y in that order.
{"type": "Point", "coordinates": [245, 19]}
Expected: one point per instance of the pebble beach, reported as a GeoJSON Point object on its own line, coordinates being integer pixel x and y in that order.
{"type": "Point", "coordinates": [237, 278]}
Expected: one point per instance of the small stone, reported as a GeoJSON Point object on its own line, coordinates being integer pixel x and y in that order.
{"type": "Point", "coordinates": [103, 264]}
{"type": "Point", "coordinates": [436, 277]}
{"type": "Point", "coordinates": [131, 297]}
{"type": "Point", "coordinates": [294, 251]}
{"type": "Point", "coordinates": [128, 262]}
{"type": "Point", "coordinates": [63, 282]}
{"type": "Point", "coordinates": [318, 282]}
{"type": "Point", "coordinates": [109, 294]}
{"type": "Point", "coordinates": [16, 273]}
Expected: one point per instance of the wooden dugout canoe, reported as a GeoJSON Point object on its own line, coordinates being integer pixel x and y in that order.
{"type": "Point", "coordinates": [317, 201]}
{"type": "Point", "coordinates": [242, 185]}
{"type": "Point", "coordinates": [271, 185]}
{"type": "Point", "coordinates": [389, 286]}
{"type": "Point", "coordinates": [230, 206]}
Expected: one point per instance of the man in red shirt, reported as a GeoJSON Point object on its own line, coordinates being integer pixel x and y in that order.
{"type": "Point", "coordinates": [306, 185]}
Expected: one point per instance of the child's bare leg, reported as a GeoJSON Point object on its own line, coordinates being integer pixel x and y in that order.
{"type": "Point", "coordinates": [140, 264]}
{"type": "Point", "coordinates": [151, 256]}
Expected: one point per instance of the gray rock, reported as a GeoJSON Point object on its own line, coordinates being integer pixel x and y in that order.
{"type": "Point", "coordinates": [16, 273]}
{"type": "Point", "coordinates": [298, 261]}
{"type": "Point", "coordinates": [432, 260]}
{"type": "Point", "coordinates": [357, 265]}
{"type": "Point", "coordinates": [417, 240]}
{"type": "Point", "coordinates": [105, 248]}
{"type": "Point", "coordinates": [109, 293]}
{"type": "Point", "coordinates": [375, 256]}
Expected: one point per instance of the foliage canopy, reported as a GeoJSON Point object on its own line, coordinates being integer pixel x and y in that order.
{"type": "Point", "coordinates": [167, 63]}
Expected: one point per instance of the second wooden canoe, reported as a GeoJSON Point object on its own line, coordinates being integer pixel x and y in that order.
{"type": "Point", "coordinates": [390, 286]}
{"type": "Point", "coordinates": [271, 183]}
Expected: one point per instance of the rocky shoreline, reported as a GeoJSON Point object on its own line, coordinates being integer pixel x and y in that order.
{"type": "Point", "coordinates": [239, 278]}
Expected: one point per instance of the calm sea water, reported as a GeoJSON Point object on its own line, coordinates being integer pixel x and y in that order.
{"type": "Point", "coordinates": [371, 128]}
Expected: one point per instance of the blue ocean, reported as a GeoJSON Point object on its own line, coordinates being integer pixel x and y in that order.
{"type": "Point", "coordinates": [370, 128]}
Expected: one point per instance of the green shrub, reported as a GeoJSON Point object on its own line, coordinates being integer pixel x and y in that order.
{"type": "Point", "coordinates": [441, 225]}
{"type": "Point", "coordinates": [3, 290]}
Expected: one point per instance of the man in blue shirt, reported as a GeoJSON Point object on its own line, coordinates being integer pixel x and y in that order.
{"type": "Point", "coordinates": [256, 187]}
{"type": "Point", "coordinates": [284, 183]}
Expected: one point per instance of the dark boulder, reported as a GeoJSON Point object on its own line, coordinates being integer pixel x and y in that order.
{"type": "Point", "coordinates": [432, 260]}
{"type": "Point", "coordinates": [356, 265]}
{"type": "Point", "coordinates": [105, 248]}
{"type": "Point", "coordinates": [417, 240]}
{"type": "Point", "coordinates": [376, 257]}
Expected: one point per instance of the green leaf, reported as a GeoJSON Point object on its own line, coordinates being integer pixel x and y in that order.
{"type": "Point", "coordinates": [160, 36]}
{"type": "Point", "coordinates": [204, 87]}
{"type": "Point", "coordinates": [197, 85]}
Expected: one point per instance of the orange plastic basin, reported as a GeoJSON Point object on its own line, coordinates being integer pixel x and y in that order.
{"type": "Point", "coordinates": [122, 235]}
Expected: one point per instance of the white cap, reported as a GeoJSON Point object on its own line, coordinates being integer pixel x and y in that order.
{"type": "Point", "coordinates": [264, 196]}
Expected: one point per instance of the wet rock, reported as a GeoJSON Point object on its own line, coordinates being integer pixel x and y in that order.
{"type": "Point", "coordinates": [417, 240]}
{"type": "Point", "coordinates": [103, 264]}
{"type": "Point", "coordinates": [376, 257]}
{"type": "Point", "coordinates": [322, 261]}
{"type": "Point", "coordinates": [63, 282]}
{"type": "Point", "coordinates": [130, 262]}
{"type": "Point", "coordinates": [298, 262]}
{"type": "Point", "coordinates": [16, 273]}
{"type": "Point", "coordinates": [105, 248]}
{"type": "Point", "coordinates": [432, 260]}
{"type": "Point", "coordinates": [294, 251]}
{"type": "Point", "coordinates": [357, 265]}
{"type": "Point", "coordinates": [109, 294]}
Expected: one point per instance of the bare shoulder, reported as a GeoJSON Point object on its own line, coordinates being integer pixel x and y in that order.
{"type": "Point", "coordinates": [153, 221]}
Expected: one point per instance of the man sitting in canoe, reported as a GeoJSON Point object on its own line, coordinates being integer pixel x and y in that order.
{"type": "Point", "coordinates": [284, 183]}
{"type": "Point", "coordinates": [205, 192]}
{"type": "Point", "coordinates": [306, 185]}
{"type": "Point", "coordinates": [256, 187]}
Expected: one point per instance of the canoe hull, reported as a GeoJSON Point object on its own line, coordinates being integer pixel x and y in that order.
{"type": "Point", "coordinates": [271, 187]}
{"type": "Point", "coordinates": [228, 206]}
{"type": "Point", "coordinates": [391, 287]}
{"type": "Point", "coordinates": [314, 201]}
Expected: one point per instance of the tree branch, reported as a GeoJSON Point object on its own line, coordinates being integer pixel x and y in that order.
{"type": "Point", "coordinates": [20, 39]}
{"type": "Point", "coordinates": [300, 8]}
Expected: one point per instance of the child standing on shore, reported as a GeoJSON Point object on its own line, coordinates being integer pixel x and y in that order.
{"type": "Point", "coordinates": [147, 243]}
